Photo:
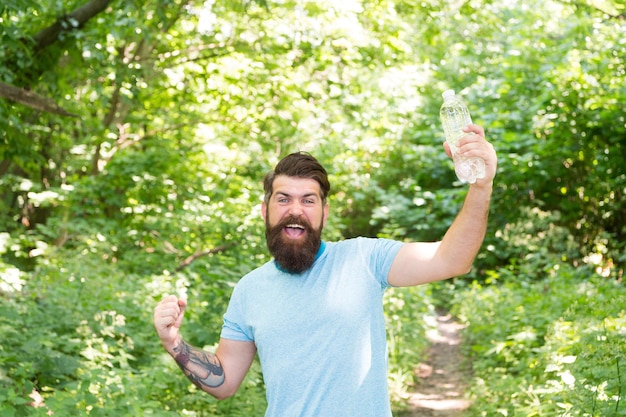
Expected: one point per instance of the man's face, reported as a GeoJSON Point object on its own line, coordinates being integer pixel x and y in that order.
{"type": "Point", "coordinates": [294, 218]}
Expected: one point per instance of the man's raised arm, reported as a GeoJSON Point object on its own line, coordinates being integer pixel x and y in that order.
{"type": "Point", "coordinates": [219, 374]}
{"type": "Point", "coordinates": [423, 262]}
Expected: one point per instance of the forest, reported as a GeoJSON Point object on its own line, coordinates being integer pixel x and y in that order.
{"type": "Point", "coordinates": [134, 137]}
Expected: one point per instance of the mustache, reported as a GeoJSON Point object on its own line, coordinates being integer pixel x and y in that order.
{"type": "Point", "coordinates": [294, 220]}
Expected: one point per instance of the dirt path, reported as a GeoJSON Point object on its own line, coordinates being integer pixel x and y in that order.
{"type": "Point", "coordinates": [443, 378]}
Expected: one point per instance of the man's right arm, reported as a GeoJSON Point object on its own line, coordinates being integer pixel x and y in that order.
{"type": "Point", "coordinates": [219, 374]}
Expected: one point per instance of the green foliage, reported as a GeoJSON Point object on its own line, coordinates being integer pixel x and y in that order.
{"type": "Point", "coordinates": [530, 247]}
{"type": "Point", "coordinates": [80, 334]}
{"type": "Point", "coordinates": [553, 347]}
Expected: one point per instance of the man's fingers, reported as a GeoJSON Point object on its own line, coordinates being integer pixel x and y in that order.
{"type": "Point", "coordinates": [181, 304]}
{"type": "Point", "coordinates": [477, 129]}
{"type": "Point", "coordinates": [446, 147]}
{"type": "Point", "coordinates": [169, 312]}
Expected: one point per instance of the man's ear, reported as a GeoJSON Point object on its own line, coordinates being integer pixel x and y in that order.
{"type": "Point", "coordinates": [264, 211]}
{"type": "Point", "coordinates": [325, 217]}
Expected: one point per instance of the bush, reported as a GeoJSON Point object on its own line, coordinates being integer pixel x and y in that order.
{"type": "Point", "coordinates": [554, 347]}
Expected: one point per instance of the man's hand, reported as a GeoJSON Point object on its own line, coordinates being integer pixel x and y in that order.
{"type": "Point", "coordinates": [475, 145]}
{"type": "Point", "coordinates": [168, 316]}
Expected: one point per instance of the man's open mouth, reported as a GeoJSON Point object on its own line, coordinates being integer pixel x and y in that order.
{"type": "Point", "coordinates": [294, 230]}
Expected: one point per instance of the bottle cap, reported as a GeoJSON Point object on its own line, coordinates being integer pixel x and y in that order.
{"type": "Point", "coordinates": [448, 94]}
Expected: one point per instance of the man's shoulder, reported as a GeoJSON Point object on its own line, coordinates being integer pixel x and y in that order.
{"type": "Point", "coordinates": [268, 267]}
{"type": "Point", "coordinates": [360, 242]}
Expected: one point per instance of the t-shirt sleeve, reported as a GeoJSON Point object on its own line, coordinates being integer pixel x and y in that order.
{"type": "Point", "coordinates": [235, 327]}
{"type": "Point", "coordinates": [382, 253]}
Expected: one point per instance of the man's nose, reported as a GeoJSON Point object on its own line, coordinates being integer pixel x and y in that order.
{"type": "Point", "coordinates": [296, 209]}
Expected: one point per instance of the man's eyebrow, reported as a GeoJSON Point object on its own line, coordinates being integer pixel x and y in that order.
{"type": "Point", "coordinates": [308, 195]}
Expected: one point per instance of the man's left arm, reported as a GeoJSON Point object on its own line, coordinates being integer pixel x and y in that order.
{"type": "Point", "coordinates": [422, 262]}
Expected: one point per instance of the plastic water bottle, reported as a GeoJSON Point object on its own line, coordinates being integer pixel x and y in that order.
{"type": "Point", "coordinates": [455, 117]}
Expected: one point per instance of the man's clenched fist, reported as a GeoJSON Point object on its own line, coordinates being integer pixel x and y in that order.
{"type": "Point", "coordinates": [168, 316]}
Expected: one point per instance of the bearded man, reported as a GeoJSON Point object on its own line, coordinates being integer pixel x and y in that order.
{"type": "Point", "coordinates": [314, 314]}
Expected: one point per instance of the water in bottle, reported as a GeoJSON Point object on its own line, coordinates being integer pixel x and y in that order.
{"type": "Point", "coordinates": [455, 116]}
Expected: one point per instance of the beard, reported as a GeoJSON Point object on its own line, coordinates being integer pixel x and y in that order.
{"type": "Point", "coordinates": [293, 256]}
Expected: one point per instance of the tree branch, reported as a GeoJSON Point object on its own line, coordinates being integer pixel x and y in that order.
{"type": "Point", "coordinates": [200, 253]}
{"type": "Point", "coordinates": [74, 20]}
{"type": "Point", "coordinates": [32, 100]}
{"type": "Point", "coordinates": [608, 9]}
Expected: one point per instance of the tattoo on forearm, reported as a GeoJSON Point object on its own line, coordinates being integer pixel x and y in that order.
{"type": "Point", "coordinates": [202, 368]}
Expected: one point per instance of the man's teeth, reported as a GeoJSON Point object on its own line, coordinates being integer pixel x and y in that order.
{"type": "Point", "coordinates": [295, 226]}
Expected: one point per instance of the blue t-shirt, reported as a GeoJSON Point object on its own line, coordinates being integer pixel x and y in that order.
{"type": "Point", "coordinates": [320, 335]}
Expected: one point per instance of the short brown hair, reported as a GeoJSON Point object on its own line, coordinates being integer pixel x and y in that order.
{"type": "Point", "coordinates": [300, 165]}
